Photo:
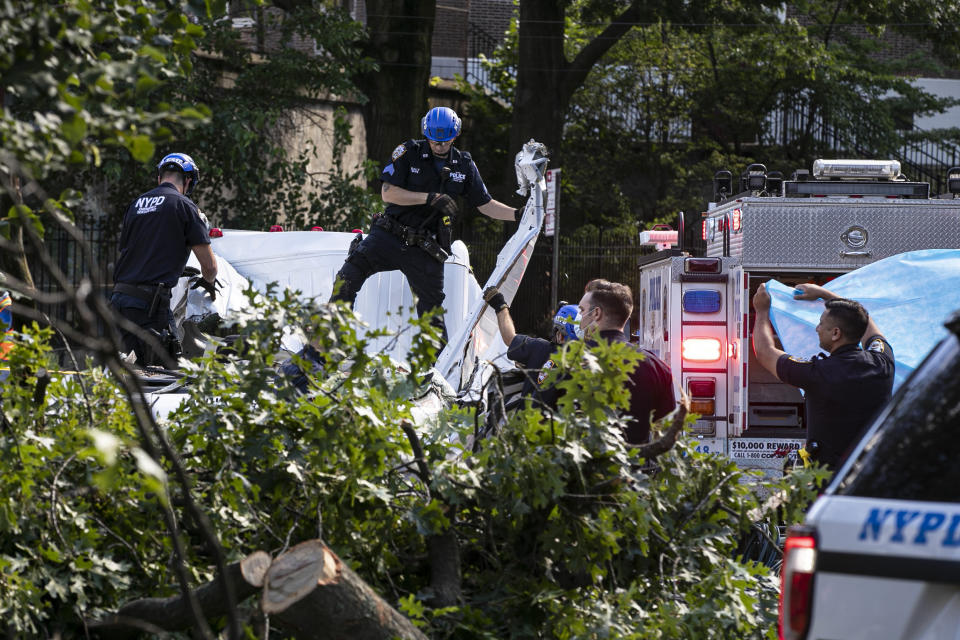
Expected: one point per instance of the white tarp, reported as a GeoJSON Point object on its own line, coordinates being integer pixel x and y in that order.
{"type": "Point", "coordinates": [909, 296]}
{"type": "Point", "coordinates": [308, 262]}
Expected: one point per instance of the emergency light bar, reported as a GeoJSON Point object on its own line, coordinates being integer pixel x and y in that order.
{"type": "Point", "coordinates": [876, 169]}
{"type": "Point", "coordinates": [661, 238]}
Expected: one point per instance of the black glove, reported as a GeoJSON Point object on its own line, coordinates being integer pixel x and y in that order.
{"type": "Point", "coordinates": [209, 287]}
{"type": "Point", "coordinates": [189, 272]}
{"type": "Point", "coordinates": [517, 214]}
{"type": "Point", "coordinates": [495, 299]}
{"type": "Point", "coordinates": [443, 203]}
{"type": "Point", "coordinates": [357, 239]}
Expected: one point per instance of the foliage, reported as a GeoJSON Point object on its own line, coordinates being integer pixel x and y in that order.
{"type": "Point", "coordinates": [77, 75]}
{"type": "Point", "coordinates": [698, 87]}
{"type": "Point", "coordinates": [563, 530]}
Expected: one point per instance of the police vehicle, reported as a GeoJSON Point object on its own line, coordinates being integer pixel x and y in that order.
{"type": "Point", "coordinates": [695, 310]}
{"type": "Point", "coordinates": [878, 555]}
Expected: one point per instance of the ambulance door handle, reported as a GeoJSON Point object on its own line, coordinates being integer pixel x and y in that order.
{"type": "Point", "coordinates": [855, 254]}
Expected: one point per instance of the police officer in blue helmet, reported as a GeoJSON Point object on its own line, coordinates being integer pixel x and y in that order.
{"type": "Point", "coordinates": [421, 186]}
{"type": "Point", "coordinates": [160, 229]}
{"type": "Point", "coordinates": [565, 323]}
{"type": "Point", "coordinates": [534, 355]}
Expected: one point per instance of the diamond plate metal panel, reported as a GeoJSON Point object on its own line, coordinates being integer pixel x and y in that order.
{"type": "Point", "coordinates": [778, 233]}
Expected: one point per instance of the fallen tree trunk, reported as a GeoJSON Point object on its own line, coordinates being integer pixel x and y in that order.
{"type": "Point", "coordinates": [308, 592]}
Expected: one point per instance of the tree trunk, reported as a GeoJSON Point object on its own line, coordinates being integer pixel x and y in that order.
{"type": "Point", "coordinates": [312, 594]}
{"type": "Point", "coordinates": [546, 80]}
{"type": "Point", "coordinates": [308, 592]}
{"type": "Point", "coordinates": [401, 36]}
{"type": "Point", "coordinates": [539, 105]}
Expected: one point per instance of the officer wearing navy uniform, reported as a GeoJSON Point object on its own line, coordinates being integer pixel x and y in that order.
{"type": "Point", "coordinates": [534, 354]}
{"type": "Point", "coordinates": [420, 185]}
{"type": "Point", "coordinates": [844, 391]}
{"type": "Point", "coordinates": [160, 229]}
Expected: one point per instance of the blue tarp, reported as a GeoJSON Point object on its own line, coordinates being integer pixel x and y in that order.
{"type": "Point", "coordinates": [909, 296]}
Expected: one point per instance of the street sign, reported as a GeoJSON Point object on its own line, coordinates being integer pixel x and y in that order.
{"type": "Point", "coordinates": [553, 202]}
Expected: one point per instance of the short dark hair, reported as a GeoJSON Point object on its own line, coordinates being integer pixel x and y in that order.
{"type": "Point", "coordinates": [614, 298]}
{"type": "Point", "coordinates": [849, 316]}
{"type": "Point", "coordinates": [172, 171]}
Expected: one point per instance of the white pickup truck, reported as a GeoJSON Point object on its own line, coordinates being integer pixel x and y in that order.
{"type": "Point", "coordinates": [878, 555]}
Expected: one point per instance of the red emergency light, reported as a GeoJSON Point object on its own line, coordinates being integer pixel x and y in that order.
{"type": "Point", "coordinates": [702, 349]}
{"type": "Point", "coordinates": [316, 228]}
{"type": "Point", "coordinates": [702, 265]}
{"type": "Point", "coordinates": [275, 228]}
{"type": "Point", "coordinates": [357, 231]}
{"type": "Point", "coordinates": [215, 232]}
{"type": "Point", "coordinates": [737, 220]}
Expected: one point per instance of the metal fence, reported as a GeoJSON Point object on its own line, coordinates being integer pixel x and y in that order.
{"type": "Point", "coordinates": [65, 252]}
{"type": "Point", "coordinates": [603, 254]}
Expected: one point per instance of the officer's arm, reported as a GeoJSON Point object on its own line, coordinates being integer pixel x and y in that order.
{"type": "Point", "coordinates": [763, 342]}
{"type": "Point", "coordinates": [392, 194]}
{"type": "Point", "coordinates": [497, 211]}
{"type": "Point", "coordinates": [812, 292]}
{"type": "Point", "coordinates": [208, 262]}
{"type": "Point", "coordinates": [505, 324]}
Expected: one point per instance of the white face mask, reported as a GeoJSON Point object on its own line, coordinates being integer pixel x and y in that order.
{"type": "Point", "coordinates": [578, 323]}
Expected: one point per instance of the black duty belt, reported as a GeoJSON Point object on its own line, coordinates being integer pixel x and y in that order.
{"type": "Point", "coordinates": [412, 237]}
{"type": "Point", "coordinates": [153, 294]}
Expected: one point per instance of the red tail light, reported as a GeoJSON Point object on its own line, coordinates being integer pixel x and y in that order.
{"type": "Point", "coordinates": [796, 583]}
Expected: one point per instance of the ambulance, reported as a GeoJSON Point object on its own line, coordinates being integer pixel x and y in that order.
{"type": "Point", "coordinates": [695, 310]}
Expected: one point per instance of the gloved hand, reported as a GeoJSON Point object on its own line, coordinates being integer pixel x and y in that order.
{"type": "Point", "coordinates": [517, 214]}
{"type": "Point", "coordinates": [495, 299]}
{"type": "Point", "coordinates": [189, 272]}
{"type": "Point", "coordinates": [209, 287]}
{"type": "Point", "coordinates": [443, 203]}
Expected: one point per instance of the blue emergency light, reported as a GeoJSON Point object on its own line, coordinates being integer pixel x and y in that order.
{"type": "Point", "coordinates": [701, 301]}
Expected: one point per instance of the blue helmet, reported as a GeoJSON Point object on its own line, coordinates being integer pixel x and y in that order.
{"type": "Point", "coordinates": [564, 321]}
{"type": "Point", "coordinates": [181, 162]}
{"type": "Point", "coordinates": [440, 124]}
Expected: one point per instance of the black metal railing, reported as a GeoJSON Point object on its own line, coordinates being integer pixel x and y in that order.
{"type": "Point", "coordinates": [479, 43]}
{"type": "Point", "coordinates": [101, 238]}
{"type": "Point", "coordinates": [921, 159]}
{"type": "Point", "coordinates": [603, 254]}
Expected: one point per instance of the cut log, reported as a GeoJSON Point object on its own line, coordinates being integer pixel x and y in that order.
{"type": "Point", "coordinates": [310, 593]}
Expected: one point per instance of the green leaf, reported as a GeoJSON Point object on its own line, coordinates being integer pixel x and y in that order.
{"type": "Point", "coordinates": [140, 147]}
{"type": "Point", "coordinates": [75, 129]}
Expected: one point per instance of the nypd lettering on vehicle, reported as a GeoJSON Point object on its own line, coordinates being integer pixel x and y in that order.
{"type": "Point", "coordinates": [148, 205]}
{"type": "Point", "coordinates": [897, 527]}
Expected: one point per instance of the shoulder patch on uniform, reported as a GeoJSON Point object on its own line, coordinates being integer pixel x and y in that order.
{"type": "Point", "coordinates": [798, 359]}
{"type": "Point", "coordinates": [549, 364]}
{"type": "Point", "coordinates": [399, 151]}
{"type": "Point", "coordinates": [466, 155]}
{"type": "Point", "coordinates": [876, 346]}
